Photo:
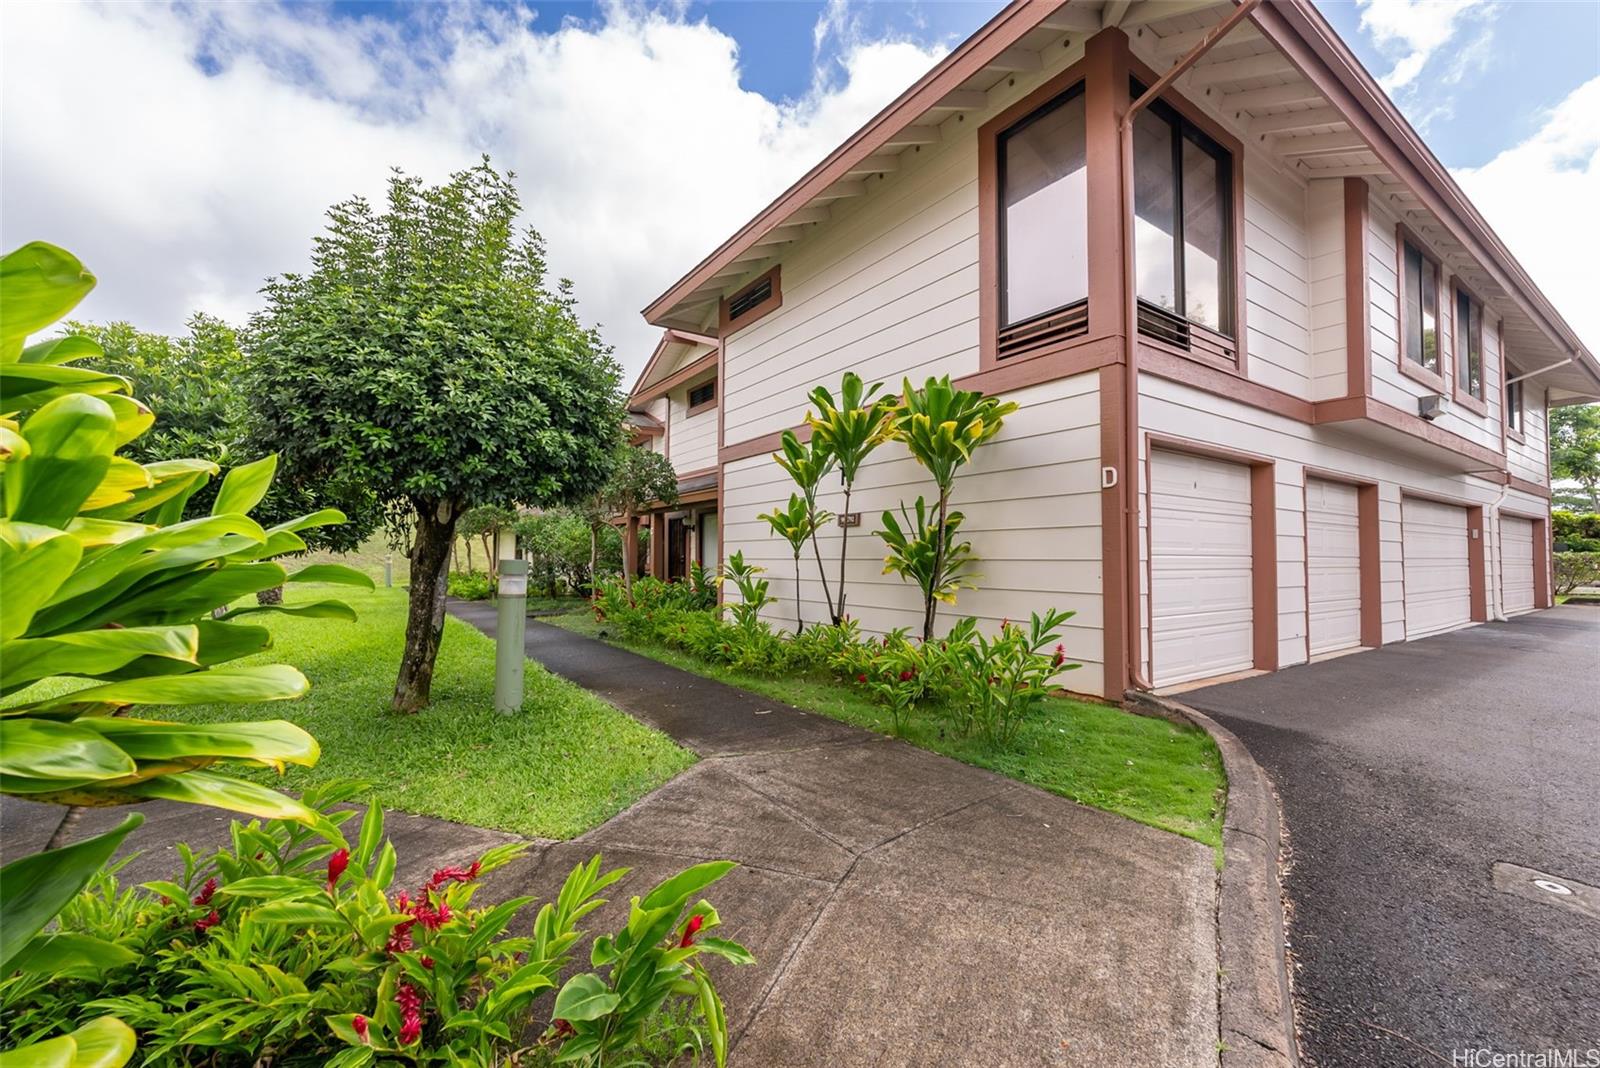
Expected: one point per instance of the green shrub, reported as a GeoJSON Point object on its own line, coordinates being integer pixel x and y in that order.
{"type": "Point", "coordinates": [470, 585]}
{"type": "Point", "coordinates": [1576, 569]}
{"type": "Point", "coordinates": [291, 946]}
{"type": "Point", "coordinates": [1574, 532]}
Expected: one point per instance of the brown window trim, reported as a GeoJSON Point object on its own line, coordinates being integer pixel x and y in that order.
{"type": "Point", "coordinates": [1435, 380]}
{"type": "Point", "coordinates": [725, 326]}
{"type": "Point", "coordinates": [1458, 354]}
{"type": "Point", "coordinates": [703, 406]}
{"type": "Point", "coordinates": [1239, 343]}
{"type": "Point", "coordinates": [1519, 432]}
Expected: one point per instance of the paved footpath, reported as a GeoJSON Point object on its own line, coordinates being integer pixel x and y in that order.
{"type": "Point", "coordinates": [904, 909]}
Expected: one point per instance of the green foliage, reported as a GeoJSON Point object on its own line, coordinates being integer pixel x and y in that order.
{"type": "Point", "coordinates": [1575, 570]}
{"type": "Point", "coordinates": [107, 583]}
{"type": "Point", "coordinates": [1575, 448]}
{"type": "Point", "coordinates": [941, 427]}
{"type": "Point", "coordinates": [927, 554]}
{"type": "Point", "coordinates": [428, 354]}
{"type": "Point", "coordinates": [557, 546]}
{"type": "Point", "coordinates": [293, 945]}
{"type": "Point", "coordinates": [795, 524]}
{"type": "Point", "coordinates": [808, 464]}
{"type": "Point", "coordinates": [848, 428]}
{"type": "Point", "coordinates": [1009, 676]}
{"type": "Point", "coordinates": [753, 591]}
{"type": "Point", "coordinates": [1575, 533]}
{"type": "Point", "coordinates": [470, 585]}
{"type": "Point", "coordinates": [639, 477]}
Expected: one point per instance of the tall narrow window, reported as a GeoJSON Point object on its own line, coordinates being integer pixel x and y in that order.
{"type": "Point", "coordinates": [1421, 312]}
{"type": "Point", "coordinates": [1469, 345]}
{"type": "Point", "coordinates": [1514, 401]}
{"type": "Point", "coordinates": [1044, 251]}
{"type": "Point", "coordinates": [1183, 219]}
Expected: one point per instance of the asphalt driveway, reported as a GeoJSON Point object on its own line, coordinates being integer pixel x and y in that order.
{"type": "Point", "coordinates": [1406, 774]}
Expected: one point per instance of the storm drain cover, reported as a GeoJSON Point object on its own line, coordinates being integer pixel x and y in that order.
{"type": "Point", "coordinates": [1551, 889]}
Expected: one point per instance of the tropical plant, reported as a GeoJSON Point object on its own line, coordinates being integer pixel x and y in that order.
{"type": "Point", "coordinates": [753, 591]}
{"type": "Point", "coordinates": [1575, 533]}
{"type": "Point", "coordinates": [106, 582]}
{"type": "Point", "coordinates": [1575, 571]}
{"type": "Point", "coordinates": [941, 426]}
{"type": "Point", "coordinates": [808, 463]}
{"type": "Point", "coordinates": [1575, 448]}
{"type": "Point", "coordinates": [470, 585]}
{"type": "Point", "coordinates": [486, 522]}
{"type": "Point", "coordinates": [703, 583]}
{"type": "Point", "coordinates": [1009, 676]}
{"type": "Point", "coordinates": [639, 477]}
{"type": "Point", "coordinates": [795, 524]}
{"type": "Point", "coordinates": [848, 428]}
{"type": "Point", "coordinates": [427, 354]}
{"type": "Point", "coordinates": [562, 549]}
{"type": "Point", "coordinates": [931, 556]}
{"type": "Point", "coordinates": [293, 946]}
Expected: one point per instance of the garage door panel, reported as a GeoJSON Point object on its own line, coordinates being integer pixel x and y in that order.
{"type": "Point", "coordinates": [1516, 564]}
{"type": "Point", "coordinates": [1438, 570]}
{"type": "Point", "coordinates": [1333, 566]}
{"type": "Point", "coordinates": [1200, 567]}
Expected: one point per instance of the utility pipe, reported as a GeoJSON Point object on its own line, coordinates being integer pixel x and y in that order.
{"type": "Point", "coordinates": [1130, 334]}
{"type": "Point", "coordinates": [1540, 371]}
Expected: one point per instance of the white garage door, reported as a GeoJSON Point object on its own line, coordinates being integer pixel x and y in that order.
{"type": "Point", "coordinates": [1438, 577]}
{"type": "Point", "coordinates": [1199, 568]}
{"type": "Point", "coordinates": [1333, 566]}
{"type": "Point", "coordinates": [1516, 563]}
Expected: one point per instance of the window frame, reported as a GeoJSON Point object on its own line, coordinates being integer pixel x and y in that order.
{"type": "Point", "coordinates": [727, 325]}
{"type": "Point", "coordinates": [1434, 379]}
{"type": "Point", "coordinates": [1515, 430]}
{"type": "Point", "coordinates": [1459, 352]}
{"type": "Point", "coordinates": [696, 407]}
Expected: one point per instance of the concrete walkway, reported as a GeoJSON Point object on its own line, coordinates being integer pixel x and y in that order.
{"type": "Point", "coordinates": [905, 909]}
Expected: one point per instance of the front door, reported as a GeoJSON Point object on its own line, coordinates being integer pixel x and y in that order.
{"type": "Point", "coordinates": [677, 549]}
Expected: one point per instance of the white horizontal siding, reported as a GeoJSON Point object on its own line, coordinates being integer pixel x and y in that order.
{"type": "Point", "coordinates": [692, 440]}
{"type": "Point", "coordinates": [1031, 498]}
{"type": "Point", "coordinates": [1526, 459]}
{"type": "Point", "coordinates": [1326, 284]}
{"type": "Point", "coordinates": [1277, 293]}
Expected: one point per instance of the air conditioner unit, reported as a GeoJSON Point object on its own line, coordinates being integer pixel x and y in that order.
{"type": "Point", "coordinates": [1430, 407]}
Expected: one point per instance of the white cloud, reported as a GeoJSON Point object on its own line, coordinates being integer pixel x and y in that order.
{"type": "Point", "coordinates": [636, 149]}
{"type": "Point", "coordinates": [1540, 197]}
{"type": "Point", "coordinates": [1412, 32]}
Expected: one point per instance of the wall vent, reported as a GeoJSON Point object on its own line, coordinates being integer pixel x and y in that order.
{"type": "Point", "coordinates": [751, 297]}
{"type": "Point", "coordinates": [1163, 325]}
{"type": "Point", "coordinates": [1033, 334]}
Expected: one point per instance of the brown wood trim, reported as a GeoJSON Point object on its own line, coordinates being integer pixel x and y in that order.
{"type": "Point", "coordinates": [725, 327]}
{"type": "Point", "coordinates": [700, 472]}
{"type": "Point", "coordinates": [1165, 364]}
{"type": "Point", "coordinates": [696, 409]}
{"type": "Point", "coordinates": [1358, 287]}
{"type": "Point", "coordinates": [1541, 563]}
{"type": "Point", "coordinates": [1476, 563]}
{"type": "Point", "coordinates": [743, 450]}
{"type": "Point", "coordinates": [1479, 405]}
{"type": "Point", "coordinates": [1534, 488]}
{"type": "Point", "coordinates": [705, 363]}
{"type": "Point", "coordinates": [1235, 149]}
{"type": "Point", "coordinates": [722, 471]}
{"type": "Point", "coordinates": [1369, 536]}
{"type": "Point", "coordinates": [1079, 356]}
{"type": "Point", "coordinates": [1392, 417]}
{"type": "Point", "coordinates": [1114, 514]}
{"type": "Point", "coordinates": [1435, 380]}
{"type": "Point", "coordinates": [701, 496]}
{"type": "Point", "coordinates": [1263, 538]}
{"type": "Point", "coordinates": [989, 206]}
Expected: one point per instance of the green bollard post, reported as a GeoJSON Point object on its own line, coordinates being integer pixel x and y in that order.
{"type": "Point", "coordinates": [388, 571]}
{"type": "Point", "coordinates": [509, 651]}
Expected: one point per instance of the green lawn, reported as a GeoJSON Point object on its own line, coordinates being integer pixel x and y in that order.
{"type": "Point", "coordinates": [1146, 769]}
{"type": "Point", "coordinates": [566, 763]}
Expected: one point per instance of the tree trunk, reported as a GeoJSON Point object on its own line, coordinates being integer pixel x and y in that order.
{"type": "Point", "coordinates": [491, 560]}
{"type": "Point", "coordinates": [932, 607]}
{"type": "Point", "coordinates": [627, 564]}
{"type": "Point", "coordinates": [844, 546]}
{"type": "Point", "coordinates": [827, 595]}
{"type": "Point", "coordinates": [430, 569]}
{"type": "Point", "coordinates": [799, 624]}
{"type": "Point", "coordinates": [272, 596]}
{"type": "Point", "coordinates": [468, 543]}
{"type": "Point", "coordinates": [594, 562]}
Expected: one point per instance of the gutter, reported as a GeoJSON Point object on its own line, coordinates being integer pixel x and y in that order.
{"type": "Point", "coordinates": [1134, 645]}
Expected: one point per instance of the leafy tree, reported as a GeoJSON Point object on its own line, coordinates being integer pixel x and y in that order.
{"type": "Point", "coordinates": [1575, 448]}
{"type": "Point", "coordinates": [557, 546]}
{"type": "Point", "coordinates": [848, 429]}
{"type": "Point", "coordinates": [942, 426]}
{"type": "Point", "coordinates": [638, 478]}
{"type": "Point", "coordinates": [808, 464]}
{"type": "Point", "coordinates": [795, 524]}
{"type": "Point", "coordinates": [485, 522]}
{"type": "Point", "coordinates": [427, 354]}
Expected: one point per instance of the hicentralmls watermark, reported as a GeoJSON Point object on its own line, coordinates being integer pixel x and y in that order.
{"type": "Point", "coordinates": [1541, 1058]}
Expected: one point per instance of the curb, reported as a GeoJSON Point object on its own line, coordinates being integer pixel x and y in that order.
{"type": "Point", "coordinates": [1255, 1010]}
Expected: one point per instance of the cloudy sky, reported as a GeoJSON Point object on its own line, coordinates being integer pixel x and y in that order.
{"type": "Point", "coordinates": [187, 152]}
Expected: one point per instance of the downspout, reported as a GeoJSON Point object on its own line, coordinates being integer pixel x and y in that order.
{"type": "Point", "coordinates": [1497, 591]}
{"type": "Point", "coordinates": [1130, 334]}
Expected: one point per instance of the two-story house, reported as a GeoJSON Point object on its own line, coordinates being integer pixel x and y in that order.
{"type": "Point", "coordinates": [674, 410]}
{"type": "Point", "coordinates": [1283, 391]}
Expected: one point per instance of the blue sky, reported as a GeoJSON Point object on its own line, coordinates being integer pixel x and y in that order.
{"type": "Point", "coordinates": [643, 132]}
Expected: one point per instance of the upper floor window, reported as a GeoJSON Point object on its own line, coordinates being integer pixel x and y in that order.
{"type": "Point", "coordinates": [1183, 218]}
{"type": "Point", "coordinates": [702, 396]}
{"type": "Point", "coordinates": [1419, 322]}
{"type": "Point", "coordinates": [1515, 416]}
{"type": "Point", "coordinates": [1042, 174]}
{"type": "Point", "coordinates": [1469, 345]}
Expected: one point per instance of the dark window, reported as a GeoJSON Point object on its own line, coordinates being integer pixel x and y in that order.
{"type": "Point", "coordinates": [1044, 244]}
{"type": "Point", "coordinates": [1514, 401]}
{"type": "Point", "coordinates": [750, 298]}
{"type": "Point", "coordinates": [1469, 344]}
{"type": "Point", "coordinates": [1183, 218]}
{"type": "Point", "coordinates": [1421, 308]}
{"type": "Point", "coordinates": [704, 393]}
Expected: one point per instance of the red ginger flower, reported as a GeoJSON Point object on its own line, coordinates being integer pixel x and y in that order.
{"type": "Point", "coordinates": [1061, 654]}
{"type": "Point", "coordinates": [206, 892]}
{"type": "Point", "coordinates": [211, 920]}
{"type": "Point", "coordinates": [861, 678]}
{"type": "Point", "coordinates": [359, 1025]}
{"type": "Point", "coordinates": [336, 866]}
{"type": "Point", "coordinates": [453, 875]}
{"type": "Point", "coordinates": [410, 1002]}
{"type": "Point", "coordinates": [906, 676]}
{"type": "Point", "coordinates": [693, 928]}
